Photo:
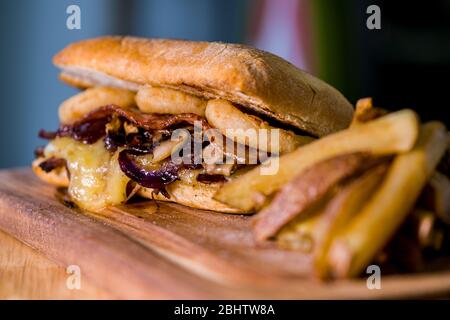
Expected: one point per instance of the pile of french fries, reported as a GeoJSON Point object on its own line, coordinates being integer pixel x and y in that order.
{"type": "Point", "coordinates": [350, 197]}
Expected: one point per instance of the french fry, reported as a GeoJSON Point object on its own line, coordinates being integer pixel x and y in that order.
{"type": "Point", "coordinates": [223, 115]}
{"type": "Point", "coordinates": [365, 111]}
{"type": "Point", "coordinates": [312, 231]}
{"type": "Point", "coordinates": [364, 104]}
{"type": "Point", "coordinates": [358, 243]}
{"type": "Point", "coordinates": [394, 133]}
{"type": "Point", "coordinates": [307, 188]}
{"type": "Point", "coordinates": [340, 210]}
{"type": "Point", "coordinates": [302, 234]}
{"type": "Point", "coordinates": [363, 107]}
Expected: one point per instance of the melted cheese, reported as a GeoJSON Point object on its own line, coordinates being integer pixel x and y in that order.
{"type": "Point", "coordinates": [96, 180]}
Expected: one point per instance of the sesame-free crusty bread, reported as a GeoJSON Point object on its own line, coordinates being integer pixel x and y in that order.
{"type": "Point", "coordinates": [257, 80]}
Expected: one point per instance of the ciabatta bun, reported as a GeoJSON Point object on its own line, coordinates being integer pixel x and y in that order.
{"type": "Point", "coordinates": [257, 80]}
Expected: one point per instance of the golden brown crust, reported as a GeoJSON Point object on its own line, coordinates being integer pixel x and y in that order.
{"type": "Point", "coordinates": [199, 196]}
{"type": "Point", "coordinates": [255, 79]}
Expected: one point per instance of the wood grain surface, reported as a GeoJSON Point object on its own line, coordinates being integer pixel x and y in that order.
{"type": "Point", "coordinates": [27, 274]}
{"type": "Point", "coordinates": [165, 251]}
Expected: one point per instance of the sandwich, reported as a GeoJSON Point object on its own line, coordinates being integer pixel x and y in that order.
{"type": "Point", "coordinates": [143, 101]}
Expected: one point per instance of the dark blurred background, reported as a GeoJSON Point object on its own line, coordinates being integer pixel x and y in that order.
{"type": "Point", "coordinates": [404, 64]}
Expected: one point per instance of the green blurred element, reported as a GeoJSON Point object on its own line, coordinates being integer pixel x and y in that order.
{"type": "Point", "coordinates": [332, 43]}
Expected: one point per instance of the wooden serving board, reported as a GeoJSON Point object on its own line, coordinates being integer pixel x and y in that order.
{"type": "Point", "coordinates": [27, 274]}
{"type": "Point", "coordinates": [164, 250]}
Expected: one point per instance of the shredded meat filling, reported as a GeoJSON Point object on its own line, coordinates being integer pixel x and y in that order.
{"type": "Point", "coordinates": [137, 134]}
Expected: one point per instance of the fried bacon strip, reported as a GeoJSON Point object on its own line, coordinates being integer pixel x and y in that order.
{"type": "Point", "coordinates": [92, 126]}
{"type": "Point", "coordinates": [147, 121]}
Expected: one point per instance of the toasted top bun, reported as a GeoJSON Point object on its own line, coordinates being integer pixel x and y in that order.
{"type": "Point", "coordinates": [257, 80]}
